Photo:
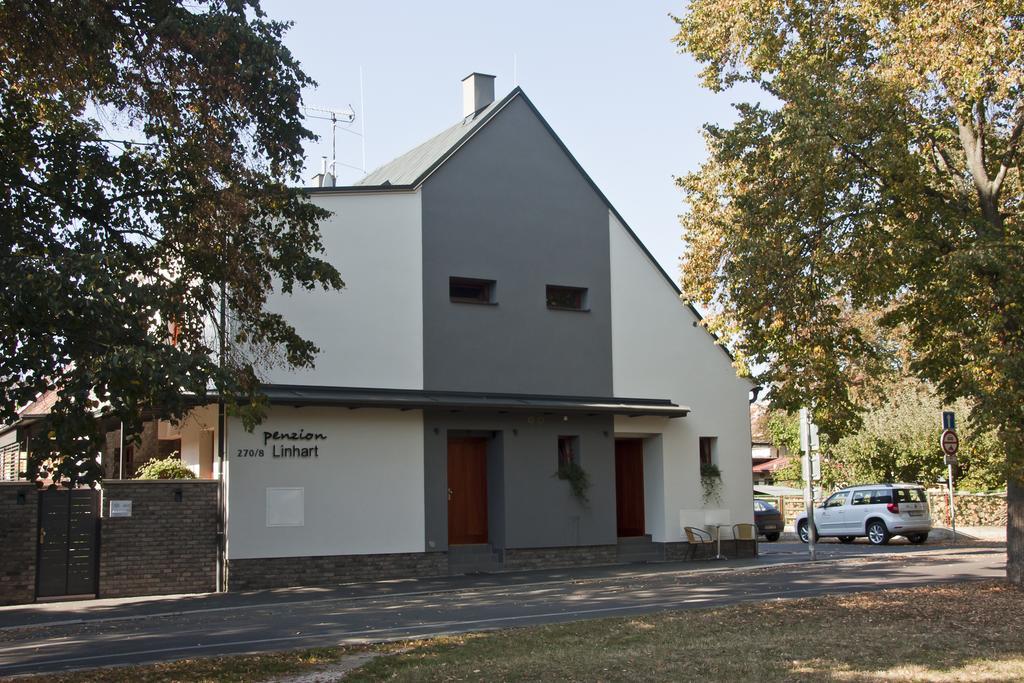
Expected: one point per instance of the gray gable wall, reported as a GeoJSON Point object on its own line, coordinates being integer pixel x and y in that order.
{"type": "Point", "coordinates": [511, 206]}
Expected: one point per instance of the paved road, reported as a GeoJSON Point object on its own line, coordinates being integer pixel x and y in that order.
{"type": "Point", "coordinates": [154, 630]}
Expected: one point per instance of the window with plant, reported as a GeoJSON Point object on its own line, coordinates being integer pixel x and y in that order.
{"type": "Point", "coordinates": [569, 468]}
{"type": "Point", "coordinates": [710, 475]}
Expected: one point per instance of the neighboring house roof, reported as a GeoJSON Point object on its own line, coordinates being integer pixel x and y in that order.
{"type": "Point", "coordinates": [771, 465]}
{"type": "Point", "coordinates": [33, 412]}
{"type": "Point", "coordinates": [39, 407]}
{"type": "Point", "coordinates": [410, 170]}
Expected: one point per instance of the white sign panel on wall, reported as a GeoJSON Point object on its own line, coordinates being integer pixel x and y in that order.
{"type": "Point", "coordinates": [286, 506]}
{"type": "Point", "coordinates": [120, 508]}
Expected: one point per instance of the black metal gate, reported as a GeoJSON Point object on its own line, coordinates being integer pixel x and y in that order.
{"type": "Point", "coordinates": [68, 542]}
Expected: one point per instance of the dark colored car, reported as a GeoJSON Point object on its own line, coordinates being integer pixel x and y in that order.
{"type": "Point", "coordinates": [768, 519]}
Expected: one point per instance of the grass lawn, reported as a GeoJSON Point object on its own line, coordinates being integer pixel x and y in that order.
{"type": "Point", "coordinates": [950, 633]}
{"type": "Point", "coordinates": [241, 669]}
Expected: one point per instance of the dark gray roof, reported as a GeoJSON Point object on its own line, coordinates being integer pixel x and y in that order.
{"type": "Point", "coordinates": [411, 399]}
{"type": "Point", "coordinates": [409, 168]}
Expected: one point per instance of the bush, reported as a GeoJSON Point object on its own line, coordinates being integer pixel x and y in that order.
{"type": "Point", "coordinates": [168, 468]}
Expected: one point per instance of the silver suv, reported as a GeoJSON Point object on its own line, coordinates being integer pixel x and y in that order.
{"type": "Point", "coordinates": [878, 511]}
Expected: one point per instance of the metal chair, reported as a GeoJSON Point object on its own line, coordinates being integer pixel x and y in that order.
{"type": "Point", "coordinates": [696, 538]}
{"type": "Point", "coordinates": [743, 532]}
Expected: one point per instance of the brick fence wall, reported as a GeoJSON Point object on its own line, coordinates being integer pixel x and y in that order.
{"type": "Point", "coordinates": [972, 509]}
{"type": "Point", "coordinates": [792, 507]}
{"type": "Point", "coordinates": [168, 545]}
{"type": "Point", "coordinates": [19, 518]}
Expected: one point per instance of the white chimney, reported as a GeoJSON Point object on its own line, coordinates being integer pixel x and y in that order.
{"type": "Point", "coordinates": [324, 178]}
{"type": "Point", "coordinates": [477, 93]}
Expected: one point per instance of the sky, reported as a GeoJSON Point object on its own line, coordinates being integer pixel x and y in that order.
{"type": "Point", "coordinates": [606, 76]}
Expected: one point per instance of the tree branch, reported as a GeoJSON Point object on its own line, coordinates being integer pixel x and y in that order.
{"type": "Point", "coordinates": [974, 152]}
{"type": "Point", "coordinates": [1011, 150]}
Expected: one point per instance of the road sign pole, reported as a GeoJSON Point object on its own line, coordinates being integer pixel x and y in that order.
{"type": "Point", "coordinates": [949, 442]}
{"type": "Point", "coordinates": [952, 502]}
{"type": "Point", "coordinates": [806, 441]}
{"type": "Point", "coordinates": [811, 533]}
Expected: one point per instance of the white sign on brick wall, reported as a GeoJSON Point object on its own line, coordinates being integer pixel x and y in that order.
{"type": "Point", "coordinates": [120, 508]}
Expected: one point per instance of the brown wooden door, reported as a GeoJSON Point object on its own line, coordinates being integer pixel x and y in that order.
{"type": "Point", "coordinates": [467, 491]}
{"type": "Point", "coordinates": [629, 487]}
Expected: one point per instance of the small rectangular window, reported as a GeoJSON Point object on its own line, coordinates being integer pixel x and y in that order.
{"type": "Point", "coordinates": [568, 450]}
{"type": "Point", "coordinates": [466, 290]}
{"type": "Point", "coordinates": [707, 450]}
{"type": "Point", "coordinates": [567, 298]}
{"type": "Point", "coordinates": [169, 448]}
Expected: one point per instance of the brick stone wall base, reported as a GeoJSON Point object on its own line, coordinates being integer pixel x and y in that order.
{"type": "Point", "coordinates": [19, 517]}
{"type": "Point", "coordinates": [284, 572]}
{"type": "Point", "coordinates": [327, 570]}
{"type": "Point", "coordinates": [553, 558]}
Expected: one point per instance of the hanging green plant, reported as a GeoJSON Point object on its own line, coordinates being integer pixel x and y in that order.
{"type": "Point", "coordinates": [711, 482]}
{"type": "Point", "coordinates": [577, 477]}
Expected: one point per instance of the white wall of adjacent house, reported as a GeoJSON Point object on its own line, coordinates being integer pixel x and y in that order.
{"type": "Point", "coordinates": [198, 434]}
{"type": "Point", "coordinates": [360, 492]}
{"type": "Point", "coordinates": [658, 352]}
{"type": "Point", "coordinates": [370, 333]}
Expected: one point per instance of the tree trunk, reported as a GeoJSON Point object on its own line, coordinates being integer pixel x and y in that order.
{"type": "Point", "coordinates": [1015, 527]}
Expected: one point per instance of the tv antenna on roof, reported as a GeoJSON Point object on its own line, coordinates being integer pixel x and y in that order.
{"type": "Point", "coordinates": [335, 116]}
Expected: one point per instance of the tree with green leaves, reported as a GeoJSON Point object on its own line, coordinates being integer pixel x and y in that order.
{"type": "Point", "coordinates": [881, 175]}
{"type": "Point", "coordinates": [146, 148]}
{"type": "Point", "coordinates": [897, 442]}
{"type": "Point", "coordinates": [784, 430]}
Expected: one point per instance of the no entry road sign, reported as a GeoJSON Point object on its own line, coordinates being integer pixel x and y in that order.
{"type": "Point", "coordinates": [950, 442]}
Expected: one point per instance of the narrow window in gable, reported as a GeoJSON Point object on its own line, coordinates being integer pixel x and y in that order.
{"type": "Point", "coordinates": [707, 450]}
{"type": "Point", "coordinates": [466, 290]}
{"type": "Point", "coordinates": [567, 298]}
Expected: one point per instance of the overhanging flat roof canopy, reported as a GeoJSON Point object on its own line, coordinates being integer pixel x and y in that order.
{"type": "Point", "coordinates": [412, 399]}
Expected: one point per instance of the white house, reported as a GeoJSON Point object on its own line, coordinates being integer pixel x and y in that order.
{"type": "Point", "coordinates": [501, 324]}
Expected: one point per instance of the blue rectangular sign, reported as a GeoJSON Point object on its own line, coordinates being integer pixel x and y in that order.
{"type": "Point", "coordinates": [948, 420]}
